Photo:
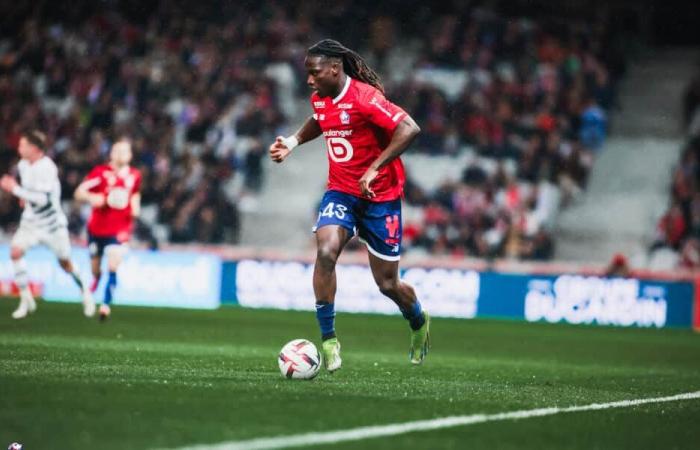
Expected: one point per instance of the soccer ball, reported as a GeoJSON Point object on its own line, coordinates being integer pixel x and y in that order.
{"type": "Point", "coordinates": [299, 359]}
{"type": "Point", "coordinates": [15, 446]}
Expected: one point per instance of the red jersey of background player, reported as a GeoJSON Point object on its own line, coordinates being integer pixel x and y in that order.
{"type": "Point", "coordinates": [358, 125]}
{"type": "Point", "coordinates": [118, 187]}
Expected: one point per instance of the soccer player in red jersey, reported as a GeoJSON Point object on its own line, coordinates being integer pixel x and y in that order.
{"type": "Point", "coordinates": [113, 192]}
{"type": "Point", "coordinates": [365, 135]}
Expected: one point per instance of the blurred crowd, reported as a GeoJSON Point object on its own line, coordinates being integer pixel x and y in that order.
{"type": "Point", "coordinates": [678, 229]}
{"type": "Point", "coordinates": [202, 94]}
{"type": "Point", "coordinates": [193, 96]}
{"type": "Point", "coordinates": [529, 100]}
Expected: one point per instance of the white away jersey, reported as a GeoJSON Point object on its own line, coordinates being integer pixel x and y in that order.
{"type": "Point", "coordinates": [42, 177]}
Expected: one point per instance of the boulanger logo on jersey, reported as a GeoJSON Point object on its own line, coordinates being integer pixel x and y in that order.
{"type": "Point", "coordinates": [339, 149]}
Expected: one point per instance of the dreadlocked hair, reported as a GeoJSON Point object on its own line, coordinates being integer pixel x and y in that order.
{"type": "Point", "coordinates": [353, 64]}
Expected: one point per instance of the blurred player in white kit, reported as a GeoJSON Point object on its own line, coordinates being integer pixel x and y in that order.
{"type": "Point", "coordinates": [43, 220]}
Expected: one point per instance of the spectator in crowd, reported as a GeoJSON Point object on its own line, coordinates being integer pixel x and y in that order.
{"type": "Point", "coordinates": [618, 267]}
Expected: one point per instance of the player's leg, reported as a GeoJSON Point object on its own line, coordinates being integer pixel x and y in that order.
{"type": "Point", "coordinates": [59, 243]}
{"type": "Point", "coordinates": [334, 229]}
{"type": "Point", "coordinates": [23, 239]}
{"type": "Point", "coordinates": [96, 250]}
{"type": "Point", "coordinates": [96, 269]}
{"type": "Point", "coordinates": [27, 304]}
{"type": "Point", "coordinates": [386, 275]}
{"type": "Point", "coordinates": [380, 229]}
{"type": "Point", "coordinates": [330, 241]}
{"type": "Point", "coordinates": [115, 255]}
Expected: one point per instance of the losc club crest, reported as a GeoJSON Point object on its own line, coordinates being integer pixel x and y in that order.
{"type": "Point", "coordinates": [344, 117]}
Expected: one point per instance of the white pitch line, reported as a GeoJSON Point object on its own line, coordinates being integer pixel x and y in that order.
{"type": "Point", "coordinates": [354, 434]}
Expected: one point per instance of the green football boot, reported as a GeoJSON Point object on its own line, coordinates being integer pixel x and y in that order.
{"type": "Point", "coordinates": [420, 341]}
{"type": "Point", "coordinates": [331, 354]}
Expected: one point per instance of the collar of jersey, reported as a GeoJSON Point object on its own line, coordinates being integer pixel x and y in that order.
{"type": "Point", "coordinates": [344, 91]}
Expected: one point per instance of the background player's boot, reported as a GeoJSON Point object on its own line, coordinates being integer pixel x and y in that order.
{"type": "Point", "coordinates": [105, 311]}
{"type": "Point", "coordinates": [331, 354]}
{"type": "Point", "coordinates": [420, 341]}
{"type": "Point", "coordinates": [88, 303]}
{"type": "Point", "coordinates": [27, 305]}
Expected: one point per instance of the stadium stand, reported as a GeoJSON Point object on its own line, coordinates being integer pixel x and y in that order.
{"type": "Point", "coordinates": [526, 102]}
{"type": "Point", "coordinates": [521, 103]}
{"type": "Point", "coordinates": [677, 234]}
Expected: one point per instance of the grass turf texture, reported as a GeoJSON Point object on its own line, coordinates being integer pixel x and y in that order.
{"type": "Point", "coordinates": [152, 378]}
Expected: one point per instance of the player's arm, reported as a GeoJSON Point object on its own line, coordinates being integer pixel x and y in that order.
{"type": "Point", "coordinates": [84, 195]}
{"type": "Point", "coordinates": [136, 204]}
{"type": "Point", "coordinates": [38, 198]}
{"type": "Point", "coordinates": [404, 133]}
{"type": "Point", "coordinates": [135, 201]}
{"type": "Point", "coordinates": [283, 146]}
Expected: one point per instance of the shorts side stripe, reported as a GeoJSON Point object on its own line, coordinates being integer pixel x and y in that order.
{"type": "Point", "coordinates": [377, 254]}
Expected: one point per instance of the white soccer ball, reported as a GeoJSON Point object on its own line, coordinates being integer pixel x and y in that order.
{"type": "Point", "coordinates": [299, 359]}
{"type": "Point", "coordinates": [15, 446]}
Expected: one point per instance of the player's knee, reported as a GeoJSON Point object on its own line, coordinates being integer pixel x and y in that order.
{"type": "Point", "coordinates": [114, 257]}
{"type": "Point", "coordinates": [326, 256]}
{"type": "Point", "coordinates": [113, 262]}
{"type": "Point", "coordinates": [16, 253]}
{"type": "Point", "coordinates": [388, 286]}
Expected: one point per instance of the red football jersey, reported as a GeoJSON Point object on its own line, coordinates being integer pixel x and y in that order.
{"type": "Point", "coordinates": [114, 218]}
{"type": "Point", "coordinates": [357, 126]}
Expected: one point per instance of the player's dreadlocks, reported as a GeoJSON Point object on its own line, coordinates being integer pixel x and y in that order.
{"type": "Point", "coordinates": [353, 64]}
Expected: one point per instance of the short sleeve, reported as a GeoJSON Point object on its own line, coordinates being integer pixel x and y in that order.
{"type": "Point", "coordinates": [137, 182]}
{"type": "Point", "coordinates": [380, 111]}
{"type": "Point", "coordinates": [93, 180]}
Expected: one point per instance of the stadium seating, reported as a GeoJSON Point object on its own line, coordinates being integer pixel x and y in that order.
{"type": "Point", "coordinates": [677, 236]}
{"type": "Point", "coordinates": [521, 103]}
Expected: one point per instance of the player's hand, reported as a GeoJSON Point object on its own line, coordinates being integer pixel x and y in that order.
{"type": "Point", "coordinates": [8, 183]}
{"type": "Point", "coordinates": [366, 180]}
{"type": "Point", "coordinates": [97, 200]}
{"type": "Point", "coordinates": [279, 151]}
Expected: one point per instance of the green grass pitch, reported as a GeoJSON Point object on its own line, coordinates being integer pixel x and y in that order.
{"type": "Point", "coordinates": [159, 378]}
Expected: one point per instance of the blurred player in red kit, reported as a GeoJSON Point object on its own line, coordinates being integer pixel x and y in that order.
{"type": "Point", "coordinates": [365, 134]}
{"type": "Point", "coordinates": [113, 192]}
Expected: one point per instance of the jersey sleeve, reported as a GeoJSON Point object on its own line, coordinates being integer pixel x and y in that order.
{"type": "Point", "coordinates": [93, 180]}
{"type": "Point", "coordinates": [380, 111]}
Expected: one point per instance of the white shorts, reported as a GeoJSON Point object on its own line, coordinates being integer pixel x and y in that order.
{"type": "Point", "coordinates": [57, 241]}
